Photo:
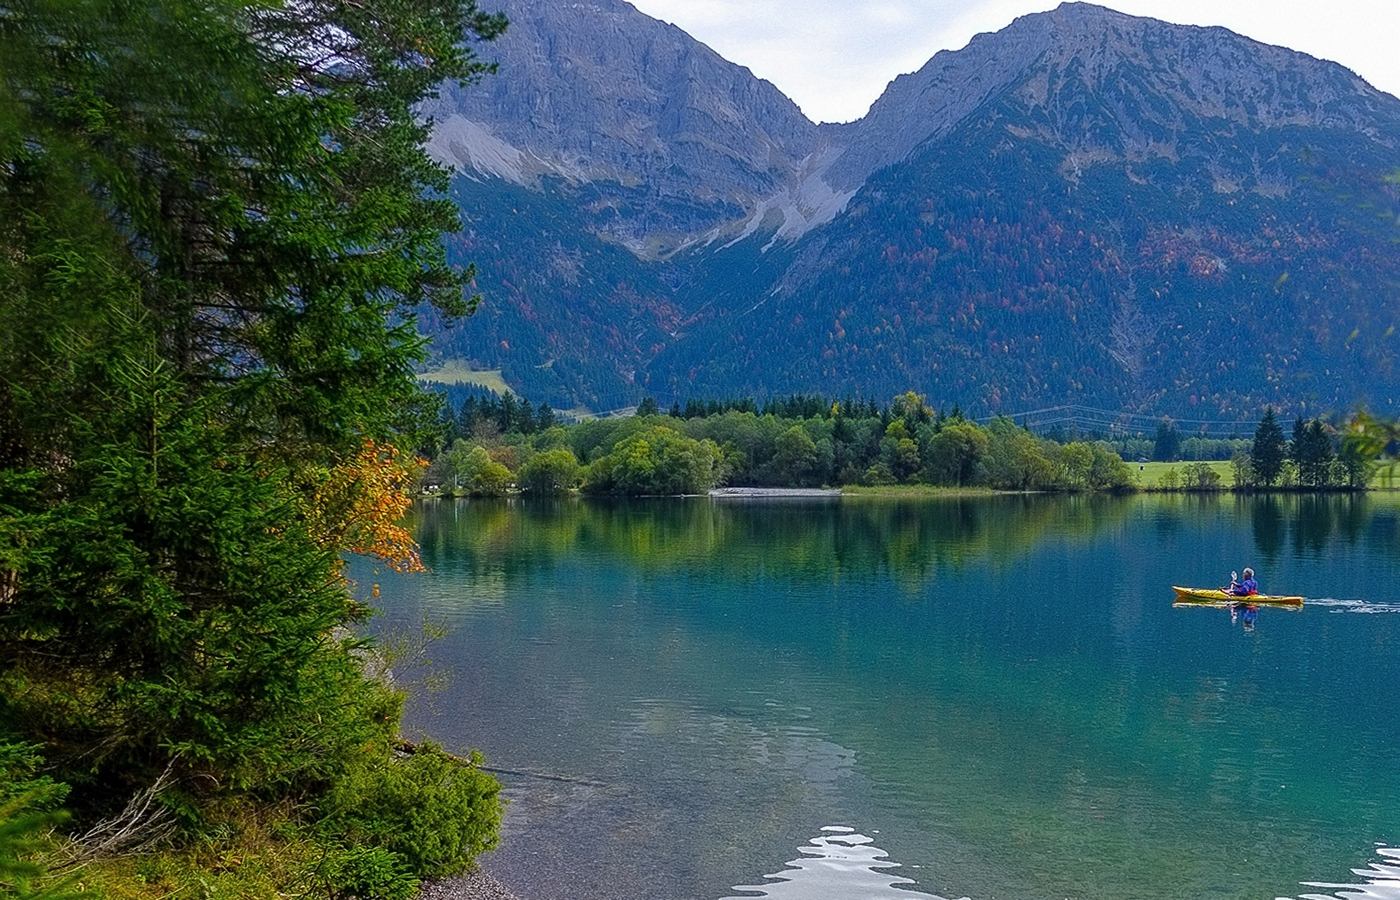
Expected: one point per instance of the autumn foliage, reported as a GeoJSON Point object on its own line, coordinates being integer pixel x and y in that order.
{"type": "Point", "coordinates": [358, 505]}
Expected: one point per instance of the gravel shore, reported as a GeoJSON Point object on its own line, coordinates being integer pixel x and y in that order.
{"type": "Point", "coordinates": [762, 493]}
{"type": "Point", "coordinates": [476, 886]}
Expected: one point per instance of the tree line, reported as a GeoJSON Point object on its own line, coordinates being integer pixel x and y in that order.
{"type": "Point", "coordinates": [485, 413]}
{"type": "Point", "coordinates": [800, 441]}
{"type": "Point", "coordinates": [810, 441]}
{"type": "Point", "coordinates": [1317, 457]}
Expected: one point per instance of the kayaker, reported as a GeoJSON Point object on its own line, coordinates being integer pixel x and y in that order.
{"type": "Point", "coordinates": [1244, 588]}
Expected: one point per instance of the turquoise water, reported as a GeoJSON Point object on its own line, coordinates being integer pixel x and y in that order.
{"type": "Point", "coordinates": [860, 698]}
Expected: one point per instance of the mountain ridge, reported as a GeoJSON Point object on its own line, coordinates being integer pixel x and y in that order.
{"type": "Point", "coordinates": [1162, 145]}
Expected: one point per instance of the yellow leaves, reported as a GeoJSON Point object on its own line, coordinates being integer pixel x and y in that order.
{"type": "Point", "coordinates": [357, 505]}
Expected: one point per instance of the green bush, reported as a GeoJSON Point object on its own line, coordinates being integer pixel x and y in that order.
{"type": "Point", "coordinates": [475, 472]}
{"type": "Point", "coordinates": [365, 873]}
{"type": "Point", "coordinates": [656, 462]}
{"type": "Point", "coordinates": [434, 811]}
{"type": "Point", "coordinates": [1201, 477]}
{"type": "Point", "coordinates": [551, 472]}
{"type": "Point", "coordinates": [27, 815]}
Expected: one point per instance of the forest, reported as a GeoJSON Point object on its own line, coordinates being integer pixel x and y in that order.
{"type": "Point", "coordinates": [217, 225]}
{"type": "Point", "coordinates": [492, 446]}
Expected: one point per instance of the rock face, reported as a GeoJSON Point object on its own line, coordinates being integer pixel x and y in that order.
{"type": "Point", "coordinates": [1084, 206]}
{"type": "Point", "coordinates": [675, 139]}
{"type": "Point", "coordinates": [1159, 83]}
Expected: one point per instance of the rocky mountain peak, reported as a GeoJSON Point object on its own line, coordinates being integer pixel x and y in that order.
{"type": "Point", "coordinates": [677, 146]}
{"type": "Point", "coordinates": [1082, 207]}
{"type": "Point", "coordinates": [674, 137]}
{"type": "Point", "coordinates": [1150, 70]}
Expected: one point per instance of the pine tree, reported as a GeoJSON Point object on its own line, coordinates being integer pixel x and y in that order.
{"type": "Point", "coordinates": [212, 242]}
{"type": "Point", "coordinates": [1269, 450]}
{"type": "Point", "coordinates": [1167, 443]}
{"type": "Point", "coordinates": [1297, 447]}
{"type": "Point", "coordinates": [1316, 455]}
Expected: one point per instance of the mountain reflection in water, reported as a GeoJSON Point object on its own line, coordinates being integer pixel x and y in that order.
{"type": "Point", "coordinates": [1382, 881]}
{"type": "Point", "coordinates": [838, 865]}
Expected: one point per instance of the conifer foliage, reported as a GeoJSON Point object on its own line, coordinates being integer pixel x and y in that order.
{"type": "Point", "coordinates": [216, 220]}
{"type": "Point", "coordinates": [1269, 450]}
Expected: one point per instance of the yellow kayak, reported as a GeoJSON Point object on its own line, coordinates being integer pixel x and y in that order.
{"type": "Point", "coordinates": [1215, 595]}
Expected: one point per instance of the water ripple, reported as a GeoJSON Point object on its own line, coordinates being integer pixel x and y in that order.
{"type": "Point", "coordinates": [839, 864]}
{"type": "Point", "coordinates": [1382, 881]}
{"type": "Point", "coordinates": [1354, 606]}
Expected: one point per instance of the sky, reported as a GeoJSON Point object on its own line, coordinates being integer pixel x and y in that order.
{"type": "Point", "coordinates": [834, 57]}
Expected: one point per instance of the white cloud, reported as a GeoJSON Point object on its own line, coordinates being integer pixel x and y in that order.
{"type": "Point", "coordinates": [834, 58]}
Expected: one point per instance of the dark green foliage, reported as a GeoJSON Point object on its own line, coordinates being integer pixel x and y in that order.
{"type": "Point", "coordinates": [1314, 454]}
{"type": "Point", "coordinates": [148, 614]}
{"type": "Point", "coordinates": [467, 469]}
{"type": "Point", "coordinates": [501, 415]}
{"type": "Point", "coordinates": [1367, 440]}
{"type": "Point", "coordinates": [20, 778]}
{"type": "Point", "coordinates": [904, 443]}
{"type": "Point", "coordinates": [269, 212]}
{"type": "Point", "coordinates": [1297, 447]}
{"type": "Point", "coordinates": [795, 457]}
{"type": "Point", "coordinates": [1167, 444]}
{"type": "Point", "coordinates": [656, 462]}
{"type": "Point", "coordinates": [956, 454]}
{"type": "Point", "coordinates": [364, 873]}
{"type": "Point", "coordinates": [1200, 476]}
{"type": "Point", "coordinates": [433, 811]}
{"type": "Point", "coordinates": [551, 472]}
{"type": "Point", "coordinates": [1356, 465]}
{"type": "Point", "coordinates": [27, 812]}
{"type": "Point", "coordinates": [211, 244]}
{"type": "Point", "coordinates": [22, 831]}
{"type": "Point", "coordinates": [1269, 449]}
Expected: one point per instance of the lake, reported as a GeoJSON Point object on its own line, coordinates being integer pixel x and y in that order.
{"type": "Point", "coordinates": [866, 698]}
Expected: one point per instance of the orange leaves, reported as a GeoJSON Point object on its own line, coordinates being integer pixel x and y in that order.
{"type": "Point", "coordinates": [357, 506]}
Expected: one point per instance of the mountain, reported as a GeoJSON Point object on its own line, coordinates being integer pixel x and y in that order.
{"type": "Point", "coordinates": [672, 139]}
{"type": "Point", "coordinates": [1085, 207]}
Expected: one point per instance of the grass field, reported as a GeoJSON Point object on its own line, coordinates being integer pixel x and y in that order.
{"type": "Point", "coordinates": [1149, 474]}
{"type": "Point", "coordinates": [456, 371]}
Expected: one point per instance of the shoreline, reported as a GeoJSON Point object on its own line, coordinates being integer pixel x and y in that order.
{"type": "Point", "coordinates": [770, 492]}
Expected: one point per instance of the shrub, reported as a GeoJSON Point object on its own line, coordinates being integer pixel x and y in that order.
{"type": "Point", "coordinates": [365, 873]}
{"type": "Point", "coordinates": [433, 810]}
{"type": "Point", "coordinates": [1201, 477]}
{"type": "Point", "coordinates": [27, 802]}
{"type": "Point", "coordinates": [476, 473]}
{"type": "Point", "coordinates": [550, 472]}
{"type": "Point", "coordinates": [656, 462]}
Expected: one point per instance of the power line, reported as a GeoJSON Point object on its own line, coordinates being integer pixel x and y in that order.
{"type": "Point", "coordinates": [1088, 417]}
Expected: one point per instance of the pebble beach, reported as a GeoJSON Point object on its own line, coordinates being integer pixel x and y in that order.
{"type": "Point", "coordinates": [478, 885]}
